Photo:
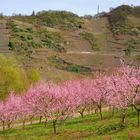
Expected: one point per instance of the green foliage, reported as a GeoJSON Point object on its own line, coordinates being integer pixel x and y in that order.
{"type": "Point", "coordinates": [33, 44]}
{"type": "Point", "coordinates": [118, 18]}
{"type": "Point", "coordinates": [23, 48]}
{"type": "Point", "coordinates": [60, 19]}
{"type": "Point", "coordinates": [26, 37]}
{"type": "Point", "coordinates": [11, 45]}
{"type": "Point", "coordinates": [91, 38]}
{"type": "Point", "coordinates": [110, 128]}
{"type": "Point", "coordinates": [29, 30]}
{"type": "Point", "coordinates": [14, 27]}
{"type": "Point", "coordinates": [87, 128]}
{"type": "Point", "coordinates": [23, 40]}
{"type": "Point", "coordinates": [53, 40]}
{"type": "Point", "coordinates": [27, 19]}
{"type": "Point", "coordinates": [75, 68]}
{"type": "Point", "coordinates": [29, 37]}
{"type": "Point", "coordinates": [13, 77]}
{"type": "Point", "coordinates": [34, 76]}
{"type": "Point", "coordinates": [63, 65]}
{"type": "Point", "coordinates": [130, 47]}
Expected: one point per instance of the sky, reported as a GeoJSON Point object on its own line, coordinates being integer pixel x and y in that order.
{"type": "Point", "coordinates": [80, 7]}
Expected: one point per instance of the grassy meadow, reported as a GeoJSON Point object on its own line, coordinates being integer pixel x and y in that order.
{"type": "Point", "coordinates": [88, 128]}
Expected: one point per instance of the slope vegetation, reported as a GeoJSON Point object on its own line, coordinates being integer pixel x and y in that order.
{"type": "Point", "coordinates": [90, 43]}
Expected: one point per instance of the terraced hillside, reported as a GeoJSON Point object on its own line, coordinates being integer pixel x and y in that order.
{"type": "Point", "coordinates": [64, 48]}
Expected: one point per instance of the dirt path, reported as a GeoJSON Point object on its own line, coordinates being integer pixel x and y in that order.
{"type": "Point", "coordinates": [97, 26]}
{"type": "Point", "coordinates": [119, 54]}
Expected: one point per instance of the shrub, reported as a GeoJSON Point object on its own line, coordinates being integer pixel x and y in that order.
{"type": "Point", "coordinates": [13, 77]}
{"type": "Point", "coordinates": [53, 40]}
{"type": "Point", "coordinates": [11, 45]}
{"type": "Point", "coordinates": [29, 37]}
{"type": "Point", "coordinates": [33, 44]}
{"type": "Point", "coordinates": [130, 47]}
{"type": "Point", "coordinates": [110, 128]}
{"type": "Point", "coordinates": [34, 76]}
{"type": "Point", "coordinates": [29, 30]}
{"type": "Point", "coordinates": [90, 37]}
{"type": "Point", "coordinates": [23, 38]}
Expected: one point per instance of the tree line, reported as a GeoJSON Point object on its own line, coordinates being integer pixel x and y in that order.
{"type": "Point", "coordinates": [119, 90]}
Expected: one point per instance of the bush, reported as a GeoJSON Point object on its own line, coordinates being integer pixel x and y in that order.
{"type": "Point", "coordinates": [33, 44]}
{"type": "Point", "coordinates": [17, 29]}
{"type": "Point", "coordinates": [23, 38]}
{"type": "Point", "coordinates": [29, 37]}
{"type": "Point", "coordinates": [13, 77]}
{"type": "Point", "coordinates": [34, 76]}
{"type": "Point", "coordinates": [53, 40]}
{"type": "Point", "coordinates": [11, 45]}
{"type": "Point", "coordinates": [29, 30]}
{"type": "Point", "coordinates": [109, 128]}
{"type": "Point", "coordinates": [130, 47]}
{"type": "Point", "coordinates": [26, 37]}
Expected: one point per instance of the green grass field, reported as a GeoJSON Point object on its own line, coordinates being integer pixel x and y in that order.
{"type": "Point", "coordinates": [88, 128]}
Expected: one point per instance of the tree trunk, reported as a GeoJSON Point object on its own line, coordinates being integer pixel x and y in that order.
{"type": "Point", "coordinates": [82, 114]}
{"type": "Point", "coordinates": [100, 111]}
{"type": "Point", "coordinates": [40, 119]}
{"type": "Point", "coordinates": [113, 111]}
{"type": "Point", "coordinates": [138, 117]}
{"type": "Point", "coordinates": [123, 115]}
{"type": "Point", "coordinates": [54, 126]}
{"type": "Point", "coordinates": [9, 125]}
{"type": "Point", "coordinates": [46, 122]}
{"type": "Point", "coordinates": [23, 124]}
{"type": "Point", "coordinates": [31, 120]}
{"type": "Point", "coordinates": [3, 125]}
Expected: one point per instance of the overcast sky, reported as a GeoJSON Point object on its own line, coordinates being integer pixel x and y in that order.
{"type": "Point", "coordinates": [80, 7]}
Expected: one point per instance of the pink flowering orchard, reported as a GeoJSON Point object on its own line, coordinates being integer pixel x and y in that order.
{"type": "Point", "coordinates": [56, 102]}
{"type": "Point", "coordinates": [2, 115]}
{"type": "Point", "coordinates": [132, 78]}
{"type": "Point", "coordinates": [35, 100]}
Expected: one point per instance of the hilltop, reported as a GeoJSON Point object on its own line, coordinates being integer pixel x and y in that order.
{"type": "Point", "coordinates": [61, 45]}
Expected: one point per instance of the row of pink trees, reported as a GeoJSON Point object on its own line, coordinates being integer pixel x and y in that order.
{"type": "Point", "coordinates": [59, 101]}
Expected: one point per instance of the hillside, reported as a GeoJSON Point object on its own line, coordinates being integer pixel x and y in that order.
{"type": "Point", "coordinates": [123, 20]}
{"type": "Point", "coordinates": [62, 45]}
